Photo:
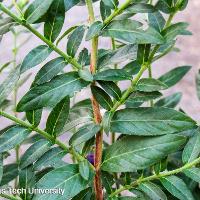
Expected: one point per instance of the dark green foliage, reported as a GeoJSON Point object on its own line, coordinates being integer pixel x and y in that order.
{"type": "Point", "coordinates": [124, 131]}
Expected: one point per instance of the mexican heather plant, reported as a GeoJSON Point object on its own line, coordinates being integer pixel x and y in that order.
{"type": "Point", "coordinates": [153, 150]}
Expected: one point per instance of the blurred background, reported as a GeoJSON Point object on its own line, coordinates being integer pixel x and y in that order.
{"type": "Point", "coordinates": [189, 55]}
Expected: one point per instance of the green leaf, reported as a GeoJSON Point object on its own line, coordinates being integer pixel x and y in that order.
{"type": "Point", "coordinates": [94, 30]}
{"type": "Point", "coordinates": [141, 8]}
{"type": "Point", "coordinates": [183, 4]}
{"type": "Point", "coordinates": [198, 84]}
{"type": "Point", "coordinates": [67, 178]}
{"type": "Point", "coordinates": [132, 68]}
{"type": "Point", "coordinates": [139, 121]}
{"type": "Point", "coordinates": [111, 88]}
{"type": "Point", "coordinates": [106, 121]}
{"type": "Point", "coordinates": [1, 167]}
{"type": "Point", "coordinates": [102, 97]}
{"type": "Point", "coordinates": [49, 70]}
{"type": "Point", "coordinates": [36, 10]}
{"type": "Point", "coordinates": [169, 101]}
{"type": "Point", "coordinates": [133, 153]}
{"type": "Point", "coordinates": [10, 172]}
{"type": "Point", "coordinates": [138, 98]}
{"type": "Point", "coordinates": [58, 117]}
{"type": "Point", "coordinates": [52, 158]}
{"type": "Point", "coordinates": [52, 92]}
{"type": "Point", "coordinates": [104, 10]}
{"type": "Point", "coordinates": [75, 40]}
{"type": "Point", "coordinates": [112, 4]}
{"type": "Point", "coordinates": [153, 191]}
{"type": "Point", "coordinates": [165, 6]}
{"type": "Point", "coordinates": [34, 152]}
{"type": "Point", "coordinates": [70, 3]}
{"type": "Point", "coordinates": [120, 55]}
{"type": "Point", "coordinates": [80, 114]}
{"type": "Point", "coordinates": [174, 76]}
{"type": "Point", "coordinates": [84, 134]}
{"type": "Point", "coordinates": [34, 117]}
{"type": "Point", "coordinates": [8, 85]}
{"type": "Point", "coordinates": [150, 85]}
{"type": "Point", "coordinates": [112, 75]}
{"type": "Point", "coordinates": [156, 20]}
{"type": "Point", "coordinates": [84, 169]}
{"type": "Point", "coordinates": [55, 20]}
{"type": "Point", "coordinates": [174, 30]}
{"type": "Point", "coordinates": [193, 173]}
{"type": "Point", "coordinates": [192, 150]}
{"type": "Point", "coordinates": [108, 181]}
{"type": "Point", "coordinates": [5, 25]}
{"type": "Point", "coordinates": [84, 57]}
{"type": "Point", "coordinates": [85, 74]}
{"type": "Point", "coordinates": [26, 181]}
{"type": "Point", "coordinates": [35, 57]}
{"type": "Point", "coordinates": [13, 137]}
{"type": "Point", "coordinates": [130, 31]}
{"type": "Point", "coordinates": [177, 187]}
{"type": "Point", "coordinates": [84, 195]}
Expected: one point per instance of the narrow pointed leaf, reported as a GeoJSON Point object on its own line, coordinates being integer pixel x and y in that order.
{"type": "Point", "coordinates": [150, 85]}
{"type": "Point", "coordinates": [35, 57]}
{"type": "Point", "coordinates": [52, 158]}
{"type": "Point", "coordinates": [156, 20]}
{"type": "Point", "coordinates": [193, 173]}
{"type": "Point", "coordinates": [34, 117]}
{"type": "Point", "coordinates": [68, 179]}
{"type": "Point", "coordinates": [177, 187]}
{"type": "Point", "coordinates": [130, 31]}
{"type": "Point", "coordinates": [10, 172]}
{"type": "Point", "coordinates": [58, 117]}
{"type": "Point", "coordinates": [104, 10]}
{"type": "Point", "coordinates": [153, 191]}
{"type": "Point", "coordinates": [102, 97]}
{"type": "Point", "coordinates": [84, 134]}
{"type": "Point", "coordinates": [192, 150]}
{"type": "Point", "coordinates": [138, 98]}
{"type": "Point", "coordinates": [111, 3]}
{"type": "Point", "coordinates": [94, 30]}
{"type": "Point", "coordinates": [141, 8]}
{"type": "Point", "coordinates": [34, 152]}
{"type": "Point", "coordinates": [70, 3]}
{"type": "Point", "coordinates": [111, 88]}
{"type": "Point", "coordinates": [132, 153]}
{"type": "Point", "coordinates": [112, 75]}
{"type": "Point", "coordinates": [174, 76]}
{"type": "Point", "coordinates": [75, 40]}
{"type": "Point", "coordinates": [51, 93]}
{"type": "Point", "coordinates": [50, 70]}
{"type": "Point", "coordinates": [175, 30]}
{"type": "Point", "coordinates": [36, 10]}
{"type": "Point", "coordinates": [84, 169]}
{"type": "Point", "coordinates": [55, 20]}
{"type": "Point", "coordinates": [120, 55]}
{"type": "Point", "coordinates": [139, 121]}
{"type": "Point", "coordinates": [169, 101]}
{"type": "Point", "coordinates": [8, 85]}
{"type": "Point", "coordinates": [13, 137]}
{"type": "Point", "coordinates": [26, 181]}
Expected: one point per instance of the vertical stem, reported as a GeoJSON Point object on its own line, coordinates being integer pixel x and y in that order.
{"type": "Point", "coordinates": [17, 149]}
{"type": "Point", "coordinates": [150, 76]}
{"type": "Point", "coordinates": [96, 110]}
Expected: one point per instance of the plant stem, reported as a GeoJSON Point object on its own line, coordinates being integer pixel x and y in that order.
{"type": "Point", "coordinates": [96, 111]}
{"type": "Point", "coordinates": [68, 58]}
{"type": "Point", "coordinates": [156, 176]}
{"type": "Point", "coordinates": [130, 89]}
{"type": "Point", "coordinates": [41, 132]}
{"type": "Point", "coordinates": [117, 12]}
{"type": "Point", "coordinates": [17, 149]}
{"type": "Point", "coordinates": [150, 76]}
